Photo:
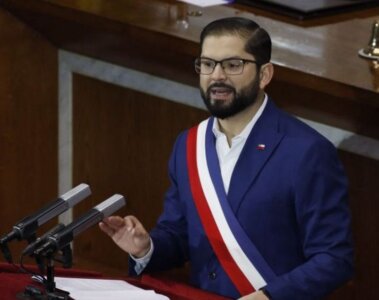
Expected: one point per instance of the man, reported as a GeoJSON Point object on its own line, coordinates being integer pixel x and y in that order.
{"type": "Point", "coordinates": [258, 201]}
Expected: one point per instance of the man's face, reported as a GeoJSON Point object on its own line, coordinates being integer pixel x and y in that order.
{"type": "Point", "coordinates": [226, 95]}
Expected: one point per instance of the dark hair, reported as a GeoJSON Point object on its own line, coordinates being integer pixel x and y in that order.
{"type": "Point", "coordinates": [258, 41]}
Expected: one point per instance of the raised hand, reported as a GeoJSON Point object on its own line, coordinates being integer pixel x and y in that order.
{"type": "Point", "coordinates": [128, 233]}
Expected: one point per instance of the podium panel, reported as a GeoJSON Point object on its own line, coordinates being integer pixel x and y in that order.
{"type": "Point", "coordinates": [12, 283]}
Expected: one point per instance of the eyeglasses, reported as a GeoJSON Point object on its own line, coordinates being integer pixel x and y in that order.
{"type": "Point", "coordinates": [231, 66]}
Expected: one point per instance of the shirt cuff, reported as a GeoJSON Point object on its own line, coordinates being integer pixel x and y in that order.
{"type": "Point", "coordinates": [142, 262]}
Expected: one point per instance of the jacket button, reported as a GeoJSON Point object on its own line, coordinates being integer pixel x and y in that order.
{"type": "Point", "coordinates": [212, 275]}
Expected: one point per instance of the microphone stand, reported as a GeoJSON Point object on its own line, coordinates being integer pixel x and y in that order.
{"type": "Point", "coordinates": [51, 292]}
{"type": "Point", "coordinates": [50, 286]}
{"type": "Point", "coordinates": [6, 252]}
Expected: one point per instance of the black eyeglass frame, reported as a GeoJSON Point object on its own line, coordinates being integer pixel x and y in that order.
{"type": "Point", "coordinates": [216, 62]}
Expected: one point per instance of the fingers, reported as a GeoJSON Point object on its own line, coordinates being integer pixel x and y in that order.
{"type": "Point", "coordinates": [105, 228]}
{"type": "Point", "coordinates": [134, 226]}
{"type": "Point", "coordinates": [113, 224]}
{"type": "Point", "coordinates": [128, 233]}
{"type": "Point", "coordinates": [132, 223]}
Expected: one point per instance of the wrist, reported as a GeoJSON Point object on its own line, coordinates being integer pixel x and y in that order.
{"type": "Point", "coordinates": [143, 252]}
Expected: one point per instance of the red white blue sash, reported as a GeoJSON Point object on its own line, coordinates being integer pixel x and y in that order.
{"type": "Point", "coordinates": [236, 253]}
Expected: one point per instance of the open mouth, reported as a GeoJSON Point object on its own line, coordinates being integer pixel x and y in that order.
{"type": "Point", "coordinates": [221, 93]}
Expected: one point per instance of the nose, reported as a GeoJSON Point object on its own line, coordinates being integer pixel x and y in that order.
{"type": "Point", "coordinates": [218, 73]}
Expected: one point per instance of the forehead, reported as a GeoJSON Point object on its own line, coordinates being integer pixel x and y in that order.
{"type": "Point", "coordinates": [224, 46]}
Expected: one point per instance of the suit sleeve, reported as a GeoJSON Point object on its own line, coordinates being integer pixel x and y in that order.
{"type": "Point", "coordinates": [323, 220]}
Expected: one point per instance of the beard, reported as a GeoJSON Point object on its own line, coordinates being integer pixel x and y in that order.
{"type": "Point", "coordinates": [240, 101]}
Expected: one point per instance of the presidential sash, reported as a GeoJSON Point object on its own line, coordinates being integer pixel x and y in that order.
{"type": "Point", "coordinates": [236, 253]}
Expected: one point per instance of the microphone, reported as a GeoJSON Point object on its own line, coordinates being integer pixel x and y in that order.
{"type": "Point", "coordinates": [26, 228]}
{"type": "Point", "coordinates": [41, 240]}
{"type": "Point", "coordinates": [93, 216]}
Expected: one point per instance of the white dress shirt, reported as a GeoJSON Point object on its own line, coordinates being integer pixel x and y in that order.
{"type": "Point", "coordinates": [228, 155]}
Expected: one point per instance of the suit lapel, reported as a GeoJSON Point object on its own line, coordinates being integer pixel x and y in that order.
{"type": "Point", "coordinates": [261, 143]}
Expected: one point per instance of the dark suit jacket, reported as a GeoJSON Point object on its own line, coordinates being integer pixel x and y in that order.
{"type": "Point", "coordinates": [291, 199]}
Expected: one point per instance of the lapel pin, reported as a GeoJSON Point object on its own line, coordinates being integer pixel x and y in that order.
{"type": "Point", "coordinates": [261, 147]}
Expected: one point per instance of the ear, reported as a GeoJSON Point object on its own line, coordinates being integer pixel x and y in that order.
{"type": "Point", "coordinates": [265, 75]}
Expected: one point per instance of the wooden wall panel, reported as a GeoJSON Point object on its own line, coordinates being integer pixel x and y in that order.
{"type": "Point", "coordinates": [363, 174]}
{"type": "Point", "coordinates": [28, 122]}
{"type": "Point", "coordinates": [304, 100]}
{"type": "Point", "coordinates": [122, 141]}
